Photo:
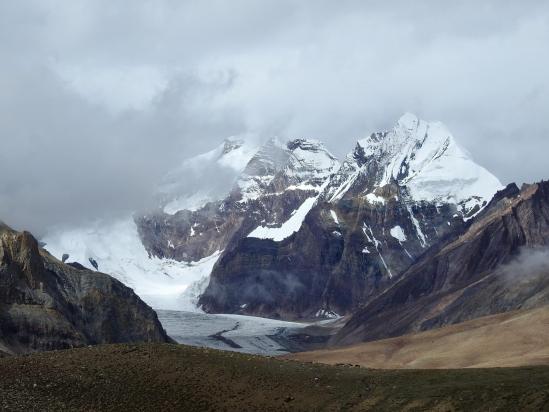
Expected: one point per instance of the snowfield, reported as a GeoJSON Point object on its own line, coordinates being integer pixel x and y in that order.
{"type": "Point", "coordinates": [192, 202]}
{"type": "Point", "coordinates": [117, 248]}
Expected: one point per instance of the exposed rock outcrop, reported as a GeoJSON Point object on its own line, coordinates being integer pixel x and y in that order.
{"type": "Point", "coordinates": [499, 263]}
{"type": "Point", "coordinates": [46, 304]}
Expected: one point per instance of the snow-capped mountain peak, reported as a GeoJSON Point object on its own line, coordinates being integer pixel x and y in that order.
{"type": "Point", "coordinates": [236, 153]}
{"type": "Point", "coordinates": [398, 192]}
{"type": "Point", "coordinates": [407, 149]}
{"type": "Point", "coordinates": [310, 162]}
{"type": "Point", "coordinates": [178, 190]}
{"type": "Point", "coordinates": [297, 164]}
{"type": "Point", "coordinates": [421, 157]}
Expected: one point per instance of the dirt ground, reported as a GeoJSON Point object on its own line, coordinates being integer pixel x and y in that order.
{"type": "Point", "coordinates": [174, 377]}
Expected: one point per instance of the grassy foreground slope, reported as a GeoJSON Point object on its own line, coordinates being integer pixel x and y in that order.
{"type": "Point", "coordinates": [505, 340]}
{"type": "Point", "coordinates": [171, 377]}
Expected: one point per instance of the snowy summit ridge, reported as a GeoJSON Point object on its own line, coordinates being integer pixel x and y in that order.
{"type": "Point", "coordinates": [421, 157]}
{"type": "Point", "coordinates": [229, 159]}
{"type": "Point", "coordinates": [301, 164]}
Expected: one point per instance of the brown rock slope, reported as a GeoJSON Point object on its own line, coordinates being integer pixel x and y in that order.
{"type": "Point", "coordinates": [500, 263]}
{"type": "Point", "coordinates": [510, 339]}
{"type": "Point", "coordinates": [45, 304]}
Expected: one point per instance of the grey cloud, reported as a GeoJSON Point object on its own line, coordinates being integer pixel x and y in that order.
{"type": "Point", "coordinates": [530, 265]}
{"type": "Point", "coordinates": [63, 160]}
{"type": "Point", "coordinates": [75, 144]}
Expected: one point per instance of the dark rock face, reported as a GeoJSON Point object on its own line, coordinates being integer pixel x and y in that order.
{"type": "Point", "coordinates": [45, 304]}
{"type": "Point", "coordinates": [499, 263]}
{"type": "Point", "coordinates": [327, 267]}
{"type": "Point", "coordinates": [397, 194]}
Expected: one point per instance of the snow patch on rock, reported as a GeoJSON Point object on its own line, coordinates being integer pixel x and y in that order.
{"type": "Point", "coordinates": [323, 313]}
{"type": "Point", "coordinates": [289, 227]}
{"type": "Point", "coordinates": [373, 198]}
{"type": "Point", "coordinates": [398, 233]}
{"type": "Point", "coordinates": [368, 232]}
{"type": "Point", "coordinates": [417, 226]}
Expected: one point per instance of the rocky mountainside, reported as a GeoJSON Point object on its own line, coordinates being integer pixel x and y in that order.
{"type": "Point", "coordinates": [397, 194]}
{"type": "Point", "coordinates": [46, 304]}
{"type": "Point", "coordinates": [497, 264]}
{"type": "Point", "coordinates": [166, 256]}
{"type": "Point", "coordinates": [510, 339]}
{"type": "Point", "coordinates": [288, 231]}
{"type": "Point", "coordinates": [276, 180]}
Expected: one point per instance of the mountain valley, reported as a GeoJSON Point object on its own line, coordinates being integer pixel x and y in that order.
{"type": "Point", "coordinates": [405, 235]}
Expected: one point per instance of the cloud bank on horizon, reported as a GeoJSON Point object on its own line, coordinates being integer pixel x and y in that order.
{"type": "Point", "coordinates": [100, 99]}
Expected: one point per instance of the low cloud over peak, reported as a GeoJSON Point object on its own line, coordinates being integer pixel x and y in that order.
{"type": "Point", "coordinates": [100, 99]}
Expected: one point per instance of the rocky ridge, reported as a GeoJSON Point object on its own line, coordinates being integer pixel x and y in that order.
{"type": "Point", "coordinates": [46, 304]}
{"type": "Point", "coordinates": [497, 264]}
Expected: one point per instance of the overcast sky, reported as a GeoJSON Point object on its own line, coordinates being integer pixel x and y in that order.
{"type": "Point", "coordinates": [100, 98]}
